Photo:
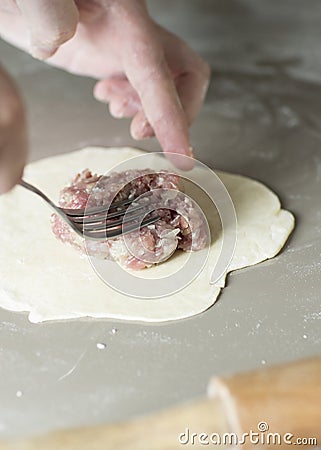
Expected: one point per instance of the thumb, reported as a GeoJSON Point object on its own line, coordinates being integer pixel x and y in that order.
{"type": "Point", "coordinates": [50, 23]}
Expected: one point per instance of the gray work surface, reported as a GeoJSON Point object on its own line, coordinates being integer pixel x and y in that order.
{"type": "Point", "coordinates": [262, 118]}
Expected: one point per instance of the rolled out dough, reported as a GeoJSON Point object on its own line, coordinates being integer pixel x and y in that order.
{"type": "Point", "coordinates": [52, 281]}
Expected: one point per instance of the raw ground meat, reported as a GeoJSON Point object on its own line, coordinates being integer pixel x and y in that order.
{"type": "Point", "coordinates": [181, 226]}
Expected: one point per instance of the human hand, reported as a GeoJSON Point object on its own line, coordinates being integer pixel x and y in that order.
{"type": "Point", "coordinates": [145, 72]}
{"type": "Point", "coordinates": [13, 136]}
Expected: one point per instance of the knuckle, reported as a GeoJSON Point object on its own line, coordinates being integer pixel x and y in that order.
{"type": "Point", "coordinates": [152, 73]}
{"type": "Point", "coordinates": [155, 72]}
{"type": "Point", "coordinates": [57, 36]}
{"type": "Point", "coordinates": [145, 56]}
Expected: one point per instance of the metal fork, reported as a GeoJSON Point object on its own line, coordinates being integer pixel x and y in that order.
{"type": "Point", "coordinates": [103, 222]}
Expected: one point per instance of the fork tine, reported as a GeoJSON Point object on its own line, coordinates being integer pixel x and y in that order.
{"type": "Point", "coordinates": [102, 216]}
{"type": "Point", "coordinates": [83, 212]}
{"type": "Point", "coordinates": [114, 229]}
{"type": "Point", "coordinates": [105, 224]}
{"type": "Point", "coordinates": [119, 230]}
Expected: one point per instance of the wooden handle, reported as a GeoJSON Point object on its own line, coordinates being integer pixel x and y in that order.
{"type": "Point", "coordinates": [158, 431]}
{"type": "Point", "coordinates": [287, 398]}
{"type": "Point", "coordinates": [284, 399]}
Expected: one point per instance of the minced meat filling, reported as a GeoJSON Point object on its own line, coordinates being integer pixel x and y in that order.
{"type": "Point", "coordinates": [181, 226]}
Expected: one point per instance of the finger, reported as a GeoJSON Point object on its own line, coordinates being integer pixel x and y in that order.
{"type": "Point", "coordinates": [122, 98]}
{"type": "Point", "coordinates": [148, 73]}
{"type": "Point", "coordinates": [13, 136]}
{"type": "Point", "coordinates": [11, 169]}
{"type": "Point", "coordinates": [13, 151]}
{"type": "Point", "coordinates": [50, 23]}
{"type": "Point", "coordinates": [192, 88]}
{"type": "Point", "coordinates": [113, 87]}
{"type": "Point", "coordinates": [122, 107]}
{"type": "Point", "coordinates": [140, 128]}
{"type": "Point", "coordinates": [190, 71]}
{"type": "Point", "coordinates": [13, 154]}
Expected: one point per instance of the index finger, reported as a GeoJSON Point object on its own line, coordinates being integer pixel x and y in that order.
{"type": "Point", "coordinates": [147, 71]}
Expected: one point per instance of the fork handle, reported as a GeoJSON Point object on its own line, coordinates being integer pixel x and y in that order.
{"type": "Point", "coordinates": [37, 191]}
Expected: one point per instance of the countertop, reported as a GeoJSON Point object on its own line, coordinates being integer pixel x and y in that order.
{"type": "Point", "coordinates": [261, 119]}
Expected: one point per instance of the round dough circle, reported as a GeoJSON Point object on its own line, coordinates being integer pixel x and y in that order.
{"type": "Point", "coordinates": [52, 281]}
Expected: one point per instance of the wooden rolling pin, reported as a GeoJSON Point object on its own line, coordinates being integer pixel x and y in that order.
{"type": "Point", "coordinates": [280, 404]}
